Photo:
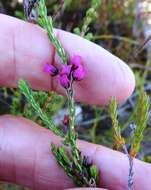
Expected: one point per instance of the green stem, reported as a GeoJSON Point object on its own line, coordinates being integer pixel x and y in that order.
{"type": "Point", "coordinates": [72, 135]}
{"type": "Point", "coordinates": [46, 23]}
{"type": "Point", "coordinates": [94, 128]}
{"type": "Point", "coordinates": [91, 15]}
{"type": "Point", "coordinates": [25, 89]}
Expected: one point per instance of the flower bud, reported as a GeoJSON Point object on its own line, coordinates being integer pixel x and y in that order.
{"type": "Point", "coordinates": [66, 70]}
{"type": "Point", "coordinates": [76, 62]}
{"type": "Point", "coordinates": [79, 73]}
{"type": "Point", "coordinates": [64, 81]}
{"type": "Point", "coordinates": [50, 69]}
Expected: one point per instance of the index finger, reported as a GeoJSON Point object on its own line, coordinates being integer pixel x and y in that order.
{"type": "Point", "coordinates": [26, 159]}
{"type": "Point", "coordinates": [25, 49]}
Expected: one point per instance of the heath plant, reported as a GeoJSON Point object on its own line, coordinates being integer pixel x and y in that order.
{"type": "Point", "coordinates": [130, 147]}
{"type": "Point", "coordinates": [77, 166]}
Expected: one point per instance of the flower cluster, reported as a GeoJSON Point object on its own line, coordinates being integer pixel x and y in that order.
{"type": "Point", "coordinates": [73, 71]}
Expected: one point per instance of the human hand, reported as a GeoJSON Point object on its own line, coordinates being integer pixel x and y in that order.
{"type": "Point", "coordinates": [25, 156]}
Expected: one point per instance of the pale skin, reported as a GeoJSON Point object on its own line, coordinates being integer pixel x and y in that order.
{"type": "Point", "coordinates": [25, 156]}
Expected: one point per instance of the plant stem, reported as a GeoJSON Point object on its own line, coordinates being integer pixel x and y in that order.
{"type": "Point", "coordinates": [46, 23]}
{"type": "Point", "coordinates": [72, 135]}
{"type": "Point", "coordinates": [71, 141]}
{"type": "Point", "coordinates": [25, 89]}
{"type": "Point", "coordinates": [131, 172]}
{"type": "Point", "coordinates": [91, 15]}
{"type": "Point", "coordinates": [98, 112]}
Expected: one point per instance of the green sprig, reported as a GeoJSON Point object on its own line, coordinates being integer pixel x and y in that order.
{"type": "Point", "coordinates": [89, 175]}
{"type": "Point", "coordinates": [140, 119]}
{"type": "Point", "coordinates": [26, 90]}
{"type": "Point", "coordinates": [119, 140]}
{"type": "Point", "coordinates": [91, 15]}
{"type": "Point", "coordinates": [74, 163]}
{"type": "Point", "coordinates": [46, 23]}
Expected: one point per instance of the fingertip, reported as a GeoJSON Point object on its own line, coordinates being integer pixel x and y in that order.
{"type": "Point", "coordinates": [106, 74]}
{"type": "Point", "coordinates": [125, 81]}
{"type": "Point", "coordinates": [25, 48]}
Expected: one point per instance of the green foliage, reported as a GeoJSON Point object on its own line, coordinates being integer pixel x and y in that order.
{"type": "Point", "coordinates": [94, 172]}
{"type": "Point", "coordinates": [15, 107]}
{"type": "Point", "coordinates": [49, 103]}
{"type": "Point", "coordinates": [93, 130]}
{"type": "Point", "coordinates": [46, 23]}
{"type": "Point", "coordinates": [140, 116]}
{"type": "Point", "coordinates": [119, 140]}
{"type": "Point", "coordinates": [71, 138]}
{"type": "Point", "coordinates": [91, 16]}
{"type": "Point", "coordinates": [140, 119]}
{"type": "Point", "coordinates": [25, 89]}
{"type": "Point", "coordinates": [113, 31]}
{"type": "Point", "coordinates": [83, 173]}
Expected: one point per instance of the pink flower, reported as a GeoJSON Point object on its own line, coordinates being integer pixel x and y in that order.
{"type": "Point", "coordinates": [50, 69]}
{"type": "Point", "coordinates": [66, 70]}
{"type": "Point", "coordinates": [79, 73]}
{"type": "Point", "coordinates": [76, 61]}
{"type": "Point", "coordinates": [64, 81]}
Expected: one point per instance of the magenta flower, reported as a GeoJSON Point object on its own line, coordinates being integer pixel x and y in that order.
{"type": "Point", "coordinates": [66, 70]}
{"type": "Point", "coordinates": [79, 73]}
{"type": "Point", "coordinates": [74, 70]}
{"type": "Point", "coordinates": [50, 69]}
{"type": "Point", "coordinates": [64, 81]}
{"type": "Point", "coordinates": [76, 61]}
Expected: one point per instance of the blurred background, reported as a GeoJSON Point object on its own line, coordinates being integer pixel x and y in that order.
{"type": "Point", "coordinates": [122, 27]}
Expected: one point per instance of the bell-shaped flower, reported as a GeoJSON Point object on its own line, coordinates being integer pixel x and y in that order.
{"type": "Point", "coordinates": [50, 69]}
